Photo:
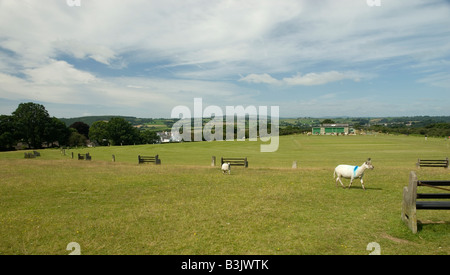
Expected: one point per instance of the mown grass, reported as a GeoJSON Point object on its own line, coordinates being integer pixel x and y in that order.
{"type": "Point", "coordinates": [185, 206]}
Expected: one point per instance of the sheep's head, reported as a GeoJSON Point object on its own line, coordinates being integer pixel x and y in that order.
{"type": "Point", "coordinates": [368, 164]}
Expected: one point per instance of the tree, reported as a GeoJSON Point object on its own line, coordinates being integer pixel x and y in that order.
{"type": "Point", "coordinates": [76, 139]}
{"type": "Point", "coordinates": [56, 130]}
{"type": "Point", "coordinates": [328, 121]}
{"type": "Point", "coordinates": [98, 132]}
{"type": "Point", "coordinates": [31, 120]}
{"type": "Point", "coordinates": [122, 132]}
{"type": "Point", "coordinates": [7, 133]}
{"type": "Point", "coordinates": [81, 127]}
{"type": "Point", "coordinates": [148, 137]}
{"type": "Point", "coordinates": [31, 123]}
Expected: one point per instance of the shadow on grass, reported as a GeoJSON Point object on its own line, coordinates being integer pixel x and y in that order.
{"type": "Point", "coordinates": [431, 225]}
{"type": "Point", "coordinates": [360, 188]}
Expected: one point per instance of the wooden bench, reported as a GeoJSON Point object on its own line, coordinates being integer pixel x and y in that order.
{"type": "Point", "coordinates": [84, 156]}
{"type": "Point", "coordinates": [29, 156]}
{"type": "Point", "coordinates": [149, 159]}
{"type": "Point", "coordinates": [432, 163]}
{"type": "Point", "coordinates": [234, 161]}
{"type": "Point", "coordinates": [411, 204]}
{"type": "Point", "coordinates": [32, 155]}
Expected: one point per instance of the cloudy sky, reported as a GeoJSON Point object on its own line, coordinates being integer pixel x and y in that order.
{"type": "Point", "coordinates": [144, 57]}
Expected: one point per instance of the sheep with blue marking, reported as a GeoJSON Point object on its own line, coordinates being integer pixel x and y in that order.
{"type": "Point", "coordinates": [352, 172]}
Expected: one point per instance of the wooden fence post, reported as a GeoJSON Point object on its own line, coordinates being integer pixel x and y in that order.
{"type": "Point", "coordinates": [409, 216]}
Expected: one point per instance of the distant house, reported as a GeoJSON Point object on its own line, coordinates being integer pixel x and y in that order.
{"type": "Point", "coordinates": [168, 137]}
{"type": "Point", "coordinates": [164, 136]}
{"type": "Point", "coordinates": [331, 129]}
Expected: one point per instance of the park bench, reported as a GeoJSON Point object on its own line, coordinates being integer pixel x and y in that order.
{"type": "Point", "coordinates": [411, 202]}
{"type": "Point", "coordinates": [432, 163]}
{"type": "Point", "coordinates": [29, 155]}
{"type": "Point", "coordinates": [84, 156]}
{"type": "Point", "coordinates": [234, 161]}
{"type": "Point", "coordinates": [149, 159]}
{"type": "Point", "coordinates": [32, 155]}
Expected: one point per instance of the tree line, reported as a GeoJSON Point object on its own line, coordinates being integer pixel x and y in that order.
{"type": "Point", "coordinates": [441, 129]}
{"type": "Point", "coordinates": [118, 131]}
{"type": "Point", "coordinates": [424, 126]}
{"type": "Point", "coordinates": [32, 126]}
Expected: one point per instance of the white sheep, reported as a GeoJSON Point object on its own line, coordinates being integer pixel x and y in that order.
{"type": "Point", "coordinates": [352, 172]}
{"type": "Point", "coordinates": [226, 167]}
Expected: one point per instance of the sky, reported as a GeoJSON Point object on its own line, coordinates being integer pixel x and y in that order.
{"type": "Point", "coordinates": [142, 58]}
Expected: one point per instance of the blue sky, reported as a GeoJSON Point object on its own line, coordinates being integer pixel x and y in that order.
{"type": "Point", "coordinates": [142, 58]}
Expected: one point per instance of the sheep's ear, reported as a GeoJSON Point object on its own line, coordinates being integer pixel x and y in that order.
{"type": "Point", "coordinates": [369, 159]}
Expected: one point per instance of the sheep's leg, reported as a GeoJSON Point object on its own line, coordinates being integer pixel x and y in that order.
{"type": "Point", "coordinates": [362, 183]}
{"type": "Point", "coordinates": [334, 177]}
{"type": "Point", "coordinates": [351, 181]}
{"type": "Point", "coordinates": [339, 179]}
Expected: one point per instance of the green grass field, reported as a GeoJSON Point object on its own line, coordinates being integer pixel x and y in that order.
{"type": "Point", "coordinates": [185, 206]}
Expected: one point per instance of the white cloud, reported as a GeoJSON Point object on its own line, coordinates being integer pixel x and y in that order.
{"type": "Point", "coordinates": [176, 50]}
{"type": "Point", "coordinates": [274, 36]}
{"type": "Point", "coordinates": [257, 32]}
{"type": "Point", "coordinates": [60, 83]}
{"type": "Point", "coordinates": [309, 79]}
{"type": "Point", "coordinates": [83, 50]}
{"type": "Point", "coordinates": [438, 79]}
{"type": "Point", "coordinates": [260, 78]}
{"type": "Point", "coordinates": [59, 73]}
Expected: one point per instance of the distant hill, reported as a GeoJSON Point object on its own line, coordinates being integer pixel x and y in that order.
{"type": "Point", "coordinates": [160, 124]}
{"type": "Point", "coordinates": [91, 119]}
{"type": "Point", "coordinates": [422, 125]}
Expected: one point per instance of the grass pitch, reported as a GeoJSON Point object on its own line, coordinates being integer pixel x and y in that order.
{"type": "Point", "coordinates": [185, 206]}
